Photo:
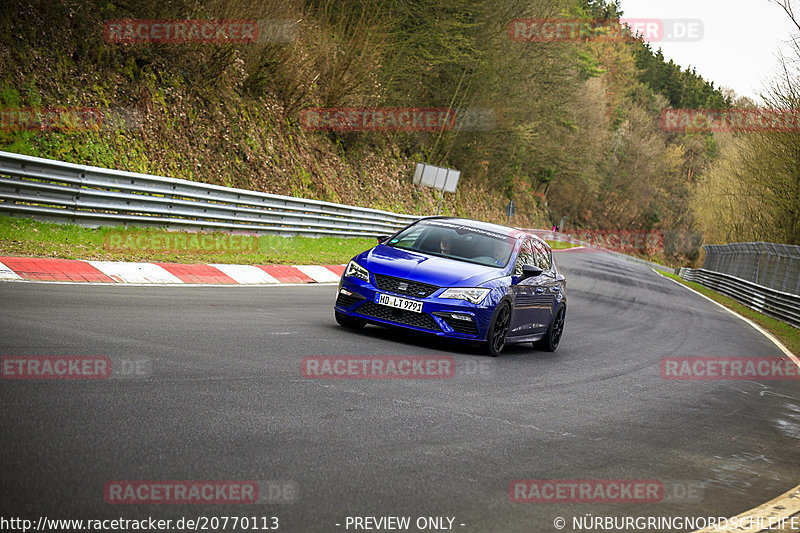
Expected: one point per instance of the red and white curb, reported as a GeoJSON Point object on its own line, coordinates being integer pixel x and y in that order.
{"type": "Point", "coordinates": [69, 270]}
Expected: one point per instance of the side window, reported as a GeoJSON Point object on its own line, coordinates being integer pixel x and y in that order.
{"type": "Point", "coordinates": [542, 256]}
{"type": "Point", "coordinates": [408, 240]}
{"type": "Point", "coordinates": [525, 256]}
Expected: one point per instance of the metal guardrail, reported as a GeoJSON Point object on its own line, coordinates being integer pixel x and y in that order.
{"type": "Point", "coordinates": [54, 190]}
{"type": "Point", "coordinates": [776, 266]}
{"type": "Point", "coordinates": [777, 304]}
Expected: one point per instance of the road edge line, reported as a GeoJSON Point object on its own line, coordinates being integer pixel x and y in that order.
{"type": "Point", "coordinates": [778, 507]}
{"type": "Point", "coordinates": [755, 326]}
{"type": "Point", "coordinates": [779, 512]}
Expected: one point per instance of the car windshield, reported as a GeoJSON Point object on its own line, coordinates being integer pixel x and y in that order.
{"type": "Point", "coordinates": [456, 241]}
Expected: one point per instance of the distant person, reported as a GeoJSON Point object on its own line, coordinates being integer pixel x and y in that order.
{"type": "Point", "coordinates": [446, 245]}
{"type": "Point", "coordinates": [500, 253]}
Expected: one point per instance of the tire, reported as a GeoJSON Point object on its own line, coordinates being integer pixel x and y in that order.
{"type": "Point", "coordinates": [552, 338]}
{"type": "Point", "coordinates": [348, 321]}
{"type": "Point", "coordinates": [496, 338]}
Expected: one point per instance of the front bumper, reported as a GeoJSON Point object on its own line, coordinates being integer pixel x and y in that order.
{"type": "Point", "coordinates": [445, 317]}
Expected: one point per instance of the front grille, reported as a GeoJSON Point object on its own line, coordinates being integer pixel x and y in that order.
{"type": "Point", "coordinates": [459, 326]}
{"type": "Point", "coordinates": [346, 301]}
{"type": "Point", "coordinates": [412, 288]}
{"type": "Point", "coordinates": [420, 320]}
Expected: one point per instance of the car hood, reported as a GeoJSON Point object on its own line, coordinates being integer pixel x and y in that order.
{"type": "Point", "coordinates": [424, 268]}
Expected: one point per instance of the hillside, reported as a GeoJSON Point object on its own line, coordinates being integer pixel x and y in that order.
{"type": "Point", "coordinates": [571, 128]}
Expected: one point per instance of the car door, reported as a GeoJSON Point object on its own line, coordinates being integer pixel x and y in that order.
{"type": "Point", "coordinates": [527, 294]}
{"type": "Point", "coordinates": [547, 286]}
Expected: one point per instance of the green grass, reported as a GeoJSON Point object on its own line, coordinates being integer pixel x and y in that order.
{"type": "Point", "coordinates": [559, 245]}
{"type": "Point", "coordinates": [788, 335]}
{"type": "Point", "coordinates": [29, 238]}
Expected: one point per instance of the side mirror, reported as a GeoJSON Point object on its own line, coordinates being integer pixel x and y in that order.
{"type": "Point", "coordinates": [530, 271]}
{"type": "Point", "coordinates": [383, 238]}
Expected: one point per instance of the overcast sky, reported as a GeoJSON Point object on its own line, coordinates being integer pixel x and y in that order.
{"type": "Point", "coordinates": [740, 40]}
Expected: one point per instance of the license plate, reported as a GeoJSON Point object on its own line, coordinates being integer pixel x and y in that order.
{"type": "Point", "coordinates": [399, 303]}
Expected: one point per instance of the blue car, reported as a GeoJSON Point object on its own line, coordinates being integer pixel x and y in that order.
{"type": "Point", "coordinates": [460, 279]}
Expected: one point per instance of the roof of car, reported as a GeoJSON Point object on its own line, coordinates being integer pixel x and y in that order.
{"type": "Point", "coordinates": [487, 226]}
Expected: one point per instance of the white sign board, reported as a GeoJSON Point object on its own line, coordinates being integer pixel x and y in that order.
{"type": "Point", "coordinates": [445, 179]}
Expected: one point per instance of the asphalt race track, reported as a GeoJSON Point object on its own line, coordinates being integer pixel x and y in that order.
{"type": "Point", "coordinates": [224, 399]}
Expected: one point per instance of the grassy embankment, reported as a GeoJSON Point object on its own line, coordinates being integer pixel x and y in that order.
{"type": "Point", "coordinates": [24, 237]}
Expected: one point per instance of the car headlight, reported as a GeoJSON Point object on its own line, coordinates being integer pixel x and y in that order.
{"type": "Point", "coordinates": [354, 270]}
{"type": "Point", "coordinates": [474, 295]}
